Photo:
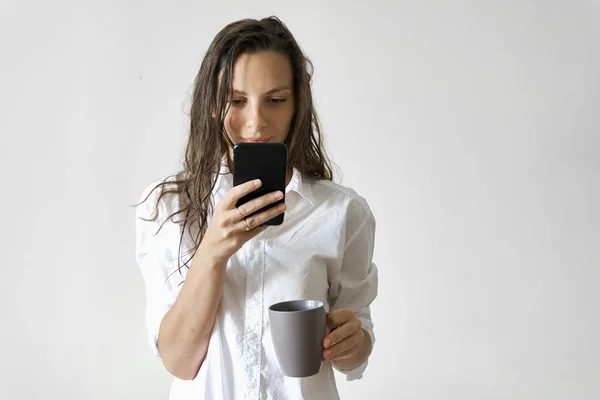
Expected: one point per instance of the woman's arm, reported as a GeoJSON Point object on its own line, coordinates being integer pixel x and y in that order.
{"type": "Point", "coordinates": [184, 324]}
{"type": "Point", "coordinates": [185, 330]}
{"type": "Point", "coordinates": [350, 340]}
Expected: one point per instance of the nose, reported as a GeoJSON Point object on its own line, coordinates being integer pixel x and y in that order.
{"type": "Point", "coordinates": [255, 119]}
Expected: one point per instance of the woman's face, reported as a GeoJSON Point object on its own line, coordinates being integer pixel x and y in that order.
{"type": "Point", "coordinates": [262, 103]}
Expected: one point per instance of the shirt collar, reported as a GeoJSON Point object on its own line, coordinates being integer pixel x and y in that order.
{"type": "Point", "coordinates": [297, 184]}
{"type": "Point", "coordinates": [301, 186]}
{"type": "Point", "coordinates": [224, 176]}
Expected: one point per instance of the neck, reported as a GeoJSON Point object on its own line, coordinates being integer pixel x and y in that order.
{"type": "Point", "coordinates": [288, 177]}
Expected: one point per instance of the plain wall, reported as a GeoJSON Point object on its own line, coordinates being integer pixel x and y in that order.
{"type": "Point", "coordinates": [472, 128]}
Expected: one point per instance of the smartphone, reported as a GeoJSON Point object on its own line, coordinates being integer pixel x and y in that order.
{"type": "Point", "coordinates": [264, 161]}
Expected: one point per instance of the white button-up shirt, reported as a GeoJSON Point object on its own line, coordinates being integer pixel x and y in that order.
{"type": "Point", "coordinates": [323, 251]}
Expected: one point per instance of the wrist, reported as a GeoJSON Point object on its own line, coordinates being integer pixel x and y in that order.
{"type": "Point", "coordinates": [205, 260]}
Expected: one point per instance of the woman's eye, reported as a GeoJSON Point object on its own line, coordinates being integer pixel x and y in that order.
{"type": "Point", "coordinates": [277, 100]}
{"type": "Point", "coordinates": [237, 102]}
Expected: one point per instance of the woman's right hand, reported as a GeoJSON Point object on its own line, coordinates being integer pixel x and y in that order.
{"type": "Point", "coordinates": [229, 229]}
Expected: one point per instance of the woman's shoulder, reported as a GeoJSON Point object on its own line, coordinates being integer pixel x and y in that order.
{"type": "Point", "coordinates": [336, 195]}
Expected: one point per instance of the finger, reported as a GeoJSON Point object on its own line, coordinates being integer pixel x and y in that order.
{"type": "Point", "coordinates": [257, 204]}
{"type": "Point", "coordinates": [345, 348]}
{"type": "Point", "coordinates": [261, 218]}
{"type": "Point", "coordinates": [254, 232]}
{"type": "Point", "coordinates": [239, 191]}
{"type": "Point", "coordinates": [252, 223]}
{"type": "Point", "coordinates": [339, 317]}
{"type": "Point", "coordinates": [342, 332]}
{"type": "Point", "coordinates": [346, 354]}
{"type": "Point", "coordinates": [232, 217]}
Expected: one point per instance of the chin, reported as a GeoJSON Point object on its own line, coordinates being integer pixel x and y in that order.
{"type": "Point", "coordinates": [256, 141]}
{"type": "Point", "coordinates": [271, 139]}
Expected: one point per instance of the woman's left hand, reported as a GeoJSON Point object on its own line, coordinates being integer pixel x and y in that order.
{"type": "Point", "coordinates": [345, 335]}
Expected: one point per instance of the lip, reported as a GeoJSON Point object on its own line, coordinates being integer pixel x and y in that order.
{"type": "Point", "coordinates": [261, 140]}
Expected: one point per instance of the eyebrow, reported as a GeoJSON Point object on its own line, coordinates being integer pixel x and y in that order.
{"type": "Point", "coordinates": [274, 90]}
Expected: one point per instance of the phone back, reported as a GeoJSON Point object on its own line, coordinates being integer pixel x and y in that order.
{"type": "Point", "coordinates": [264, 161]}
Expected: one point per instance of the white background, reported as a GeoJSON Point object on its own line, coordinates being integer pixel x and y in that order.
{"type": "Point", "coordinates": [471, 127]}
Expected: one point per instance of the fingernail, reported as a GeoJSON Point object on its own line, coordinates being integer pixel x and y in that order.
{"type": "Point", "coordinates": [278, 195]}
{"type": "Point", "coordinates": [257, 182]}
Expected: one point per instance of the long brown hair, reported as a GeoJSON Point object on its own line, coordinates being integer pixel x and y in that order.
{"type": "Point", "coordinates": [208, 142]}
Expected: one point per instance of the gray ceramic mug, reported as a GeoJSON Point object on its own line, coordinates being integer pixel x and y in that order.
{"type": "Point", "coordinates": [297, 330]}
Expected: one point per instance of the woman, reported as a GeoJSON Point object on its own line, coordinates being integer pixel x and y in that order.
{"type": "Point", "coordinates": [211, 272]}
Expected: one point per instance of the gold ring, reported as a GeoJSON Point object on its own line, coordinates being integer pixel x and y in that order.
{"type": "Point", "coordinates": [239, 212]}
{"type": "Point", "coordinates": [246, 222]}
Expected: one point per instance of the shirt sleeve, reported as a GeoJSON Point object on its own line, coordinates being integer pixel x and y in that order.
{"type": "Point", "coordinates": [156, 263]}
{"type": "Point", "coordinates": [356, 286]}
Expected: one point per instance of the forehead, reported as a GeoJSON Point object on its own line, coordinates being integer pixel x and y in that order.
{"type": "Point", "coordinates": [262, 71]}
